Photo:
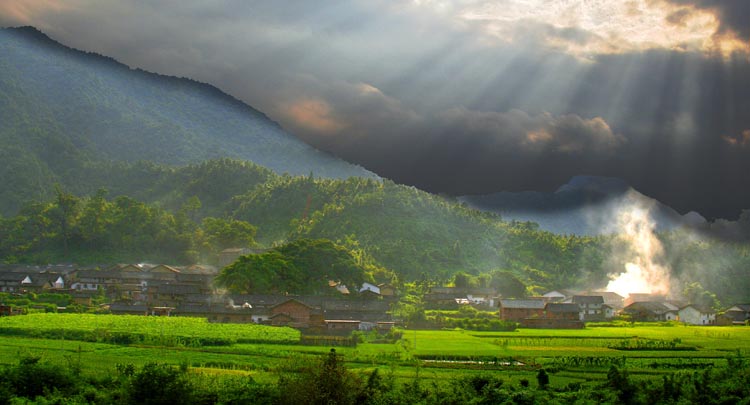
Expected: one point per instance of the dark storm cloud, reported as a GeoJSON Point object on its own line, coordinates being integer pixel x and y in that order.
{"type": "Point", "coordinates": [734, 15]}
{"type": "Point", "coordinates": [427, 99]}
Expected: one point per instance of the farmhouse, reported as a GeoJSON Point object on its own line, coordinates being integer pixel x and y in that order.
{"type": "Point", "coordinates": [565, 311]}
{"type": "Point", "coordinates": [650, 311]}
{"type": "Point", "coordinates": [554, 296]}
{"type": "Point", "coordinates": [696, 315]}
{"type": "Point", "coordinates": [292, 313]}
{"type": "Point", "coordinates": [590, 307]}
{"type": "Point", "coordinates": [612, 299]}
{"type": "Point", "coordinates": [516, 310]}
{"type": "Point", "coordinates": [369, 287]}
{"type": "Point", "coordinates": [387, 290]}
{"type": "Point", "coordinates": [449, 296]}
{"type": "Point", "coordinates": [643, 297]}
{"type": "Point", "coordinates": [556, 316]}
{"type": "Point", "coordinates": [339, 326]}
{"type": "Point", "coordinates": [737, 314]}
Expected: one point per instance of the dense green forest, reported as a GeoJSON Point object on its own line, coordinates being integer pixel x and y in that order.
{"type": "Point", "coordinates": [97, 230]}
{"type": "Point", "coordinates": [63, 110]}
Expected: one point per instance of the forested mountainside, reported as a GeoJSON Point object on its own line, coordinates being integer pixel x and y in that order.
{"type": "Point", "coordinates": [180, 215]}
{"type": "Point", "coordinates": [63, 110]}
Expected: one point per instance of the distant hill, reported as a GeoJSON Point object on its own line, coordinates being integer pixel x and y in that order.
{"type": "Point", "coordinates": [61, 109]}
{"type": "Point", "coordinates": [586, 205]}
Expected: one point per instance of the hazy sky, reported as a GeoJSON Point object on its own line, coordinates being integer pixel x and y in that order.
{"type": "Point", "coordinates": [465, 96]}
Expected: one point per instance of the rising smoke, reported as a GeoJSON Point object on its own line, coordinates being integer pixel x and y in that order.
{"type": "Point", "coordinates": [637, 255]}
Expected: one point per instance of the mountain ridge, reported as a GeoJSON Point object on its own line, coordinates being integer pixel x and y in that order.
{"type": "Point", "coordinates": [61, 108]}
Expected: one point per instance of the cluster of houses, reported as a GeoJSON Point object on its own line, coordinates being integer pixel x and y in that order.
{"type": "Point", "coordinates": [159, 289]}
{"type": "Point", "coordinates": [564, 309]}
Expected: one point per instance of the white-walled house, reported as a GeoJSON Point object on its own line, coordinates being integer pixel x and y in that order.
{"type": "Point", "coordinates": [367, 286]}
{"type": "Point", "coordinates": [694, 315]}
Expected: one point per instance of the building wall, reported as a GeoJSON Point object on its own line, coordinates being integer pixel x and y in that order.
{"type": "Point", "coordinates": [517, 314]}
{"type": "Point", "coordinates": [692, 316]}
{"type": "Point", "coordinates": [297, 311]}
{"type": "Point", "coordinates": [571, 316]}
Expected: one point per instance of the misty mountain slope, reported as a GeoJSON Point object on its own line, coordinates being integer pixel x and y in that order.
{"type": "Point", "coordinates": [586, 205]}
{"type": "Point", "coordinates": [61, 107]}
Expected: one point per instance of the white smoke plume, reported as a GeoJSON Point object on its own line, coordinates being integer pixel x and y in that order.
{"type": "Point", "coordinates": [639, 251]}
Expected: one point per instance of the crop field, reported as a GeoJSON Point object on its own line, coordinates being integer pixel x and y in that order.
{"type": "Point", "coordinates": [571, 356]}
{"type": "Point", "coordinates": [126, 329]}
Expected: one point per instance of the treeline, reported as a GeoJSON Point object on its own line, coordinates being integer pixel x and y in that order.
{"type": "Point", "coordinates": [98, 230]}
{"type": "Point", "coordinates": [326, 380]}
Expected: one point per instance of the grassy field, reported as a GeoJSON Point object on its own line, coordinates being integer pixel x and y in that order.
{"type": "Point", "coordinates": [571, 356]}
{"type": "Point", "coordinates": [169, 331]}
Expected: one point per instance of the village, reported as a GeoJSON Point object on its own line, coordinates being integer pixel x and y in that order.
{"type": "Point", "coordinates": [164, 290]}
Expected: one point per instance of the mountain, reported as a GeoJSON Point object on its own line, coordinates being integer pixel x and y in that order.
{"type": "Point", "coordinates": [586, 205]}
{"type": "Point", "coordinates": [61, 109]}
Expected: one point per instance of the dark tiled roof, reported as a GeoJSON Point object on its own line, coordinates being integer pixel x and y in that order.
{"type": "Point", "coordinates": [588, 299]}
{"type": "Point", "coordinates": [558, 307]}
{"type": "Point", "coordinates": [742, 307]}
{"type": "Point", "coordinates": [528, 304]}
{"type": "Point", "coordinates": [649, 306]}
{"type": "Point", "coordinates": [701, 309]}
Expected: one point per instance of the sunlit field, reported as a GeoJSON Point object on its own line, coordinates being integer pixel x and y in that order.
{"type": "Point", "coordinates": [571, 356]}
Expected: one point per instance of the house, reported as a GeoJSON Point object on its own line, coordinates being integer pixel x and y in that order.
{"type": "Point", "coordinates": [518, 309]}
{"type": "Point", "coordinates": [481, 296]}
{"type": "Point", "coordinates": [564, 311]}
{"type": "Point", "coordinates": [365, 311]}
{"type": "Point", "coordinates": [369, 294]}
{"type": "Point", "coordinates": [696, 315]}
{"type": "Point", "coordinates": [556, 316]}
{"type": "Point", "coordinates": [292, 313]}
{"type": "Point", "coordinates": [608, 311]}
{"type": "Point", "coordinates": [384, 326]}
{"type": "Point", "coordinates": [338, 326]}
{"type": "Point", "coordinates": [82, 297]}
{"type": "Point", "coordinates": [387, 290]}
{"type": "Point", "coordinates": [11, 282]}
{"type": "Point", "coordinates": [590, 307]}
{"type": "Point", "coordinates": [369, 287]}
{"type": "Point", "coordinates": [643, 297]}
{"type": "Point", "coordinates": [554, 296]}
{"type": "Point", "coordinates": [446, 296]}
{"type": "Point", "coordinates": [124, 308]}
{"type": "Point", "coordinates": [175, 294]}
{"type": "Point", "coordinates": [224, 314]}
{"type": "Point", "coordinates": [613, 299]}
{"type": "Point", "coordinates": [737, 314]}
{"type": "Point", "coordinates": [649, 311]}
{"type": "Point", "coordinates": [37, 283]}
{"type": "Point", "coordinates": [164, 269]}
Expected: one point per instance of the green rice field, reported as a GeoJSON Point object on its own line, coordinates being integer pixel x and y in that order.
{"type": "Point", "coordinates": [571, 356]}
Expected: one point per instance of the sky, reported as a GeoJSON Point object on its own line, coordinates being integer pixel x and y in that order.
{"type": "Point", "coordinates": [465, 96]}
